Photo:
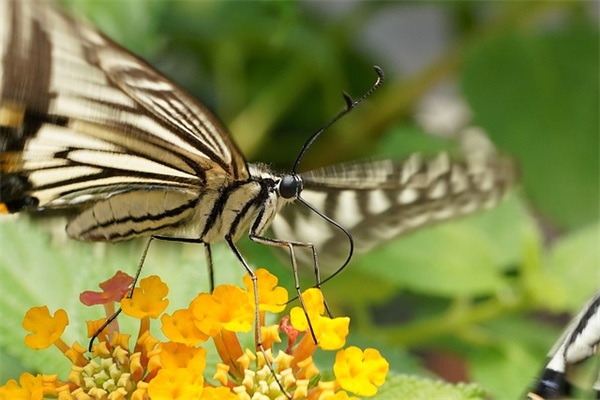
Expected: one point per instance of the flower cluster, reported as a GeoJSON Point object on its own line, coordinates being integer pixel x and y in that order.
{"type": "Point", "coordinates": [176, 368]}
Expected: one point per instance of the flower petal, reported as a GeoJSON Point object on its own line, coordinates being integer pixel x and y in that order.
{"type": "Point", "coordinates": [148, 299]}
{"type": "Point", "coordinates": [45, 329]}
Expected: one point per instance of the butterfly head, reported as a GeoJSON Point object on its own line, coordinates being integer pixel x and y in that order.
{"type": "Point", "coordinates": [290, 186]}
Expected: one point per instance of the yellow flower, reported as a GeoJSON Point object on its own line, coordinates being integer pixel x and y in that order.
{"type": "Point", "coordinates": [228, 307]}
{"type": "Point", "coordinates": [330, 333]}
{"type": "Point", "coordinates": [271, 297]}
{"type": "Point", "coordinates": [358, 372]}
{"type": "Point", "coordinates": [180, 328]}
{"type": "Point", "coordinates": [30, 388]}
{"type": "Point", "coordinates": [175, 369]}
{"type": "Point", "coordinates": [147, 300]}
{"type": "Point", "coordinates": [45, 329]}
{"type": "Point", "coordinates": [314, 303]}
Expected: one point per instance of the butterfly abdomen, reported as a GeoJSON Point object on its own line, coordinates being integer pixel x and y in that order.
{"type": "Point", "coordinates": [134, 213]}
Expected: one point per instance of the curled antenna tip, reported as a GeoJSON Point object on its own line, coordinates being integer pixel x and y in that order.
{"type": "Point", "coordinates": [379, 72]}
{"type": "Point", "coordinates": [348, 100]}
{"type": "Point", "coordinates": [350, 104]}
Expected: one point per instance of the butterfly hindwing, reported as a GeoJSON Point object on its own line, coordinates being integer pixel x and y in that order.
{"type": "Point", "coordinates": [83, 119]}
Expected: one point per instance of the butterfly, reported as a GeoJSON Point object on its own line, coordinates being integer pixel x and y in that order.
{"type": "Point", "coordinates": [88, 127]}
{"type": "Point", "coordinates": [579, 342]}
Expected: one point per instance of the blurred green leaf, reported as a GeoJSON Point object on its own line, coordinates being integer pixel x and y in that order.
{"type": "Point", "coordinates": [457, 258]}
{"type": "Point", "coordinates": [412, 387]}
{"type": "Point", "coordinates": [38, 269]}
{"type": "Point", "coordinates": [574, 261]}
{"type": "Point", "coordinates": [511, 356]}
{"type": "Point", "coordinates": [536, 94]}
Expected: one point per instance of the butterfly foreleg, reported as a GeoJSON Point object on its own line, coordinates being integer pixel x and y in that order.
{"type": "Point", "coordinates": [207, 252]}
{"type": "Point", "coordinates": [257, 335]}
{"type": "Point", "coordinates": [112, 319]}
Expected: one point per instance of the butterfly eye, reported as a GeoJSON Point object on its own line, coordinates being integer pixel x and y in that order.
{"type": "Point", "coordinates": [290, 186]}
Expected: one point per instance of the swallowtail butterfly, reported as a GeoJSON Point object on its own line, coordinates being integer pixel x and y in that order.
{"type": "Point", "coordinates": [88, 127]}
{"type": "Point", "coordinates": [579, 341]}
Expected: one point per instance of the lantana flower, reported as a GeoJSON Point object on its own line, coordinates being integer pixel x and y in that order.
{"type": "Point", "coordinates": [175, 368]}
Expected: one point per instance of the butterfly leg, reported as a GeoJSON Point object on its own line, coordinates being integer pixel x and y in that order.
{"type": "Point", "coordinates": [209, 266]}
{"type": "Point", "coordinates": [112, 319]}
{"type": "Point", "coordinates": [209, 262]}
{"type": "Point", "coordinates": [290, 246]}
{"type": "Point", "coordinates": [257, 336]}
{"type": "Point", "coordinates": [207, 252]}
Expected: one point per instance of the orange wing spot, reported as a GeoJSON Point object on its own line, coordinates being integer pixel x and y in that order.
{"type": "Point", "coordinates": [534, 396]}
{"type": "Point", "coordinates": [11, 161]}
{"type": "Point", "coordinates": [12, 114]}
{"type": "Point", "coordinates": [4, 209]}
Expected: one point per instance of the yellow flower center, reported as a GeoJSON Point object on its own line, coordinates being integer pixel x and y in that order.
{"type": "Point", "coordinates": [101, 377]}
{"type": "Point", "coordinates": [276, 382]}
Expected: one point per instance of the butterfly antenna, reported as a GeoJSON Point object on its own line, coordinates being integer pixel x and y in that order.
{"type": "Point", "coordinates": [350, 104]}
{"type": "Point", "coordinates": [342, 229]}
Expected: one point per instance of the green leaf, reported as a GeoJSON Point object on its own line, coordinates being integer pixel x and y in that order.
{"type": "Point", "coordinates": [512, 354]}
{"type": "Point", "coordinates": [571, 271]}
{"type": "Point", "coordinates": [39, 269]}
{"type": "Point", "coordinates": [466, 257]}
{"type": "Point", "coordinates": [506, 370]}
{"type": "Point", "coordinates": [415, 388]}
{"type": "Point", "coordinates": [536, 94]}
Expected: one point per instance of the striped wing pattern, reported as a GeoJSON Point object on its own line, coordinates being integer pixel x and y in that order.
{"type": "Point", "coordinates": [579, 341]}
{"type": "Point", "coordinates": [380, 200]}
{"type": "Point", "coordinates": [82, 119]}
{"type": "Point", "coordinates": [85, 124]}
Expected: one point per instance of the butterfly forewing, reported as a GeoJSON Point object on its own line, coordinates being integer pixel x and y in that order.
{"type": "Point", "coordinates": [82, 118]}
{"type": "Point", "coordinates": [380, 200]}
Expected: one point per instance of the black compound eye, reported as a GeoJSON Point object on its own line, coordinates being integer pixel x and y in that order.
{"type": "Point", "coordinates": [290, 186]}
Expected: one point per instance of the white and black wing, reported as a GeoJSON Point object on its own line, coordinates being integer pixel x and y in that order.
{"type": "Point", "coordinates": [379, 200]}
{"type": "Point", "coordinates": [82, 120]}
{"type": "Point", "coordinates": [579, 341]}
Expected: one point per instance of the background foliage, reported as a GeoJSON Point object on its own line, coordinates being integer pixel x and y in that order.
{"type": "Point", "coordinates": [478, 300]}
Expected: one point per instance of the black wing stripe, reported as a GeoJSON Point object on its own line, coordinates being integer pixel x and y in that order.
{"type": "Point", "coordinates": [585, 338]}
{"type": "Point", "coordinates": [119, 115]}
{"type": "Point", "coordinates": [579, 341]}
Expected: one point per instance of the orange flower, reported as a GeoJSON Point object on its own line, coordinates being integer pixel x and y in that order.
{"type": "Point", "coordinates": [228, 307]}
{"type": "Point", "coordinates": [176, 383]}
{"type": "Point", "coordinates": [180, 328]}
{"type": "Point", "coordinates": [177, 355]}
